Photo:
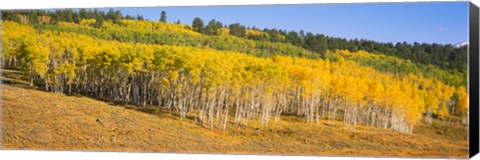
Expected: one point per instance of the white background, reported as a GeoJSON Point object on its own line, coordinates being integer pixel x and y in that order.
{"type": "Point", "coordinates": [72, 155]}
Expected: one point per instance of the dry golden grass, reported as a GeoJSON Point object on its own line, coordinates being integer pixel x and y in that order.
{"type": "Point", "coordinates": [50, 121]}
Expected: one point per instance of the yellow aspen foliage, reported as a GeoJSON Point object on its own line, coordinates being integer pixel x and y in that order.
{"type": "Point", "coordinates": [86, 22]}
{"type": "Point", "coordinates": [443, 112]}
{"type": "Point", "coordinates": [462, 100]}
{"type": "Point", "coordinates": [223, 31]}
{"type": "Point", "coordinates": [250, 32]}
{"type": "Point", "coordinates": [211, 83]}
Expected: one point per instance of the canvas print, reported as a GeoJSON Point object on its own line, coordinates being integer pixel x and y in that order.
{"type": "Point", "coordinates": [371, 79]}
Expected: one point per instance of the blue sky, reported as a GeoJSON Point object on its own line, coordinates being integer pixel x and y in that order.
{"type": "Point", "coordinates": [440, 22]}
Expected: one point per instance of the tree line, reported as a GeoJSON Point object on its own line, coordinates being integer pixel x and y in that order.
{"type": "Point", "coordinates": [222, 87]}
{"type": "Point", "coordinates": [175, 34]}
{"type": "Point", "coordinates": [444, 56]}
{"type": "Point", "coordinates": [183, 35]}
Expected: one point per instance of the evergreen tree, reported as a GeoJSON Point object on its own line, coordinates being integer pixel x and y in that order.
{"type": "Point", "coordinates": [98, 21]}
{"type": "Point", "coordinates": [198, 25]}
{"type": "Point", "coordinates": [84, 14]}
{"type": "Point", "coordinates": [76, 18]}
{"type": "Point", "coordinates": [237, 29]}
{"type": "Point", "coordinates": [129, 17]}
{"type": "Point", "coordinates": [294, 38]}
{"type": "Point", "coordinates": [110, 14]}
{"type": "Point", "coordinates": [212, 27]}
{"type": "Point", "coordinates": [139, 17]}
{"type": "Point", "coordinates": [163, 17]}
{"type": "Point", "coordinates": [58, 16]}
{"type": "Point", "coordinates": [117, 19]}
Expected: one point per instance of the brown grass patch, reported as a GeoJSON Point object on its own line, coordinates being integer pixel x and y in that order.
{"type": "Point", "coordinates": [51, 121]}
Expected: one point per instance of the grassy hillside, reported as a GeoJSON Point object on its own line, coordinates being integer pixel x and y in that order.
{"type": "Point", "coordinates": [35, 119]}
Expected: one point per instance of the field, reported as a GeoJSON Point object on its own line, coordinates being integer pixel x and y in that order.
{"type": "Point", "coordinates": [35, 119]}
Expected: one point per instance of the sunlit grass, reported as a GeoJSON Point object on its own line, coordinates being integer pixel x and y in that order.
{"type": "Point", "coordinates": [51, 121]}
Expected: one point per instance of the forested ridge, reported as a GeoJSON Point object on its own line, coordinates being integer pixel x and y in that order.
{"type": "Point", "coordinates": [446, 57]}
{"type": "Point", "coordinates": [215, 84]}
{"type": "Point", "coordinates": [126, 29]}
{"type": "Point", "coordinates": [174, 34]}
